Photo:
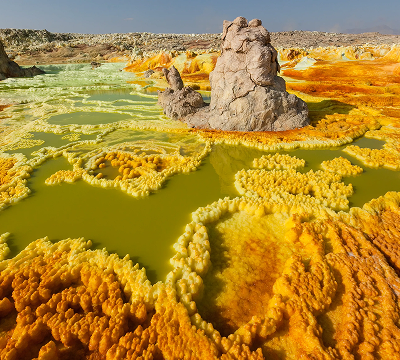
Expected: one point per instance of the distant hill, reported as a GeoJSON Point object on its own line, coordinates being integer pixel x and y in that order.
{"type": "Point", "coordinates": [382, 29]}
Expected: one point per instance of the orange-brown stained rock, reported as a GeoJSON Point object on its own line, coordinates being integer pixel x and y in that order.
{"type": "Point", "coordinates": [373, 83]}
{"type": "Point", "coordinates": [194, 68]}
{"type": "Point", "coordinates": [162, 59]}
{"type": "Point", "coordinates": [369, 312]}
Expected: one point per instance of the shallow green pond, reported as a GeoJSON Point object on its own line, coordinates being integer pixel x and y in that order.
{"type": "Point", "coordinates": [144, 228]}
{"type": "Point", "coordinates": [91, 118]}
{"type": "Point", "coordinates": [50, 139]}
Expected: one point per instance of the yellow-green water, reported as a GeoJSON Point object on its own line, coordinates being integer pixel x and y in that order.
{"type": "Point", "coordinates": [92, 118]}
{"type": "Point", "coordinates": [50, 139]}
{"type": "Point", "coordinates": [145, 228]}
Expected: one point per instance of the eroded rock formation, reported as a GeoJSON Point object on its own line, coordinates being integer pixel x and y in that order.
{"type": "Point", "coordinates": [9, 68]}
{"type": "Point", "coordinates": [178, 101]}
{"type": "Point", "coordinates": [246, 93]}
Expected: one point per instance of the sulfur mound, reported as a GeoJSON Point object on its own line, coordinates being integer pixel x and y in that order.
{"type": "Point", "coordinates": [246, 93]}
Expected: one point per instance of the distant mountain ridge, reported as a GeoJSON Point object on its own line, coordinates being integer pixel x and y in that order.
{"type": "Point", "coordinates": [382, 29]}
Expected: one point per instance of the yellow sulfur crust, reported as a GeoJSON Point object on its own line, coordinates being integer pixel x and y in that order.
{"type": "Point", "coordinates": [139, 173]}
{"type": "Point", "coordinates": [13, 174]}
{"type": "Point", "coordinates": [278, 161]}
{"type": "Point", "coordinates": [341, 166]}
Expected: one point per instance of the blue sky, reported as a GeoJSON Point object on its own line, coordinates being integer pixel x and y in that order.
{"type": "Point", "coordinates": [204, 16]}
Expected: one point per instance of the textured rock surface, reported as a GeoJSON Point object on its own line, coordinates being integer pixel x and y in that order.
{"type": "Point", "coordinates": [246, 93]}
{"type": "Point", "coordinates": [10, 68]}
{"type": "Point", "coordinates": [178, 101]}
{"type": "Point", "coordinates": [44, 47]}
{"type": "Point", "coordinates": [173, 77]}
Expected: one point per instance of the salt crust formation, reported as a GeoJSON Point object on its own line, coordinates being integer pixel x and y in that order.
{"type": "Point", "coordinates": [335, 130]}
{"type": "Point", "coordinates": [341, 166]}
{"type": "Point", "coordinates": [388, 157]}
{"type": "Point", "coordinates": [246, 93]}
{"type": "Point", "coordinates": [308, 300]}
{"type": "Point", "coordinates": [313, 187]}
{"type": "Point", "coordinates": [10, 68]}
{"type": "Point", "coordinates": [303, 290]}
{"type": "Point", "coordinates": [138, 173]}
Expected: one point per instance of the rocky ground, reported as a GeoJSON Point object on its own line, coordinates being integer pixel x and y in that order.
{"type": "Point", "coordinates": [42, 46]}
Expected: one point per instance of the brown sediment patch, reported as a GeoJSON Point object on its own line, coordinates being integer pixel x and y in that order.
{"type": "Point", "coordinates": [2, 107]}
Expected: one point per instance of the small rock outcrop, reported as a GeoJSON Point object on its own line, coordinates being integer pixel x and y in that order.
{"type": "Point", "coordinates": [95, 64]}
{"type": "Point", "coordinates": [246, 93]}
{"type": "Point", "coordinates": [148, 73]}
{"type": "Point", "coordinates": [177, 100]}
{"type": "Point", "coordinates": [9, 68]}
